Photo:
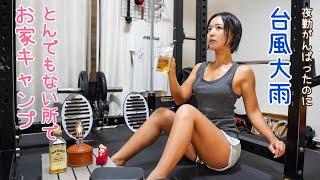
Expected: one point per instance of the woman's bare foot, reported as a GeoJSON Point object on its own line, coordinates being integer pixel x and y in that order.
{"type": "Point", "coordinates": [155, 176]}
{"type": "Point", "coordinates": [118, 161]}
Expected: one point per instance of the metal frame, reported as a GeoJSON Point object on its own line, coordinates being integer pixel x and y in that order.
{"type": "Point", "coordinates": [315, 81]}
{"type": "Point", "coordinates": [7, 75]}
{"type": "Point", "coordinates": [8, 166]}
{"type": "Point", "coordinates": [151, 94]}
{"type": "Point", "coordinates": [7, 91]}
{"type": "Point", "coordinates": [297, 113]}
{"type": "Point", "coordinates": [201, 32]}
{"type": "Point", "coordinates": [178, 35]}
{"type": "Point", "coordinates": [293, 167]}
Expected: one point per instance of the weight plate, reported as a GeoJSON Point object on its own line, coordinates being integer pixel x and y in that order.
{"type": "Point", "coordinates": [83, 83]}
{"type": "Point", "coordinates": [102, 85]}
{"type": "Point", "coordinates": [184, 75]}
{"type": "Point", "coordinates": [181, 78]}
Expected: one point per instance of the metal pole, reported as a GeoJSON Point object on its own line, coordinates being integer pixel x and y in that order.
{"type": "Point", "coordinates": [98, 61]}
{"type": "Point", "coordinates": [293, 167]}
{"type": "Point", "coordinates": [201, 31]}
{"type": "Point", "coordinates": [151, 43]}
{"type": "Point", "coordinates": [151, 93]}
{"type": "Point", "coordinates": [7, 77]}
{"type": "Point", "coordinates": [8, 100]}
{"type": "Point", "coordinates": [94, 35]}
{"type": "Point", "coordinates": [88, 44]}
{"type": "Point", "coordinates": [178, 34]}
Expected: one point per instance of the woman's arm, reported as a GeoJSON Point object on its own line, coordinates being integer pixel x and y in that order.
{"type": "Point", "coordinates": [181, 93]}
{"type": "Point", "coordinates": [253, 111]}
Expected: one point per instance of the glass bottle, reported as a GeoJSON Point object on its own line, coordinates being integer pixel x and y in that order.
{"type": "Point", "coordinates": [57, 154]}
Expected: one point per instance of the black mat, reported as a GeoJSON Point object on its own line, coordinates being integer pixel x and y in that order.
{"type": "Point", "coordinates": [250, 166]}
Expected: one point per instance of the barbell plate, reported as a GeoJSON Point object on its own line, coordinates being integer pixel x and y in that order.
{"type": "Point", "coordinates": [102, 87]}
{"type": "Point", "coordinates": [184, 74]}
{"type": "Point", "coordinates": [83, 83]}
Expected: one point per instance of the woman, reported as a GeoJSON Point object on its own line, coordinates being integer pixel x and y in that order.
{"type": "Point", "coordinates": [207, 134]}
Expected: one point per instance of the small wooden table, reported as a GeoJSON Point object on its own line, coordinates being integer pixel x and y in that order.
{"type": "Point", "coordinates": [77, 173]}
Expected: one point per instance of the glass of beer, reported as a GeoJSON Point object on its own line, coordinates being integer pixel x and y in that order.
{"type": "Point", "coordinates": [165, 55]}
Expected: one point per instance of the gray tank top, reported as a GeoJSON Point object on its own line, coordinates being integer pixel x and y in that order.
{"type": "Point", "coordinates": [216, 99]}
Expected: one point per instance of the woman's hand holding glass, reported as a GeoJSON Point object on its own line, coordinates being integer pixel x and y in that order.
{"type": "Point", "coordinates": [165, 56]}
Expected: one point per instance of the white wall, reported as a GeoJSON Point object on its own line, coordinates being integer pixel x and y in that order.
{"type": "Point", "coordinates": [118, 40]}
{"type": "Point", "coordinates": [256, 24]}
{"type": "Point", "coordinates": [70, 57]}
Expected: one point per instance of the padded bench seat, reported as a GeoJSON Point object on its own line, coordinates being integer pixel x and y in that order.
{"type": "Point", "coordinates": [123, 173]}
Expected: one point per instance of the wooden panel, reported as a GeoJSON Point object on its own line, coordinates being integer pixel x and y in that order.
{"type": "Point", "coordinates": [82, 173]}
{"type": "Point", "coordinates": [45, 168]}
{"type": "Point", "coordinates": [78, 173]}
{"type": "Point", "coordinates": [110, 163]}
{"type": "Point", "coordinates": [95, 152]}
{"type": "Point", "coordinates": [93, 165]}
{"type": "Point", "coordinates": [67, 175]}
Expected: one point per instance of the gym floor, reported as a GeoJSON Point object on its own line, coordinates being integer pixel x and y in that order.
{"type": "Point", "coordinates": [250, 166]}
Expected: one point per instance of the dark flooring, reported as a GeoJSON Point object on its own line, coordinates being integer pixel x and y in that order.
{"type": "Point", "coordinates": [250, 166]}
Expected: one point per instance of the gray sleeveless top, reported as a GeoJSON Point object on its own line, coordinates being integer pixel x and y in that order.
{"type": "Point", "coordinates": [216, 99]}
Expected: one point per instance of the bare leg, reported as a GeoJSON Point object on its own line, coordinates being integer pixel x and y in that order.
{"type": "Point", "coordinates": [190, 125]}
{"type": "Point", "coordinates": [160, 120]}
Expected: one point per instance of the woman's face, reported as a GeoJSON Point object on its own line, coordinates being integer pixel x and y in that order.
{"type": "Point", "coordinates": [216, 35]}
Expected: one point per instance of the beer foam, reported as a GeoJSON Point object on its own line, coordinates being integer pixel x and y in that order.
{"type": "Point", "coordinates": [166, 51]}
